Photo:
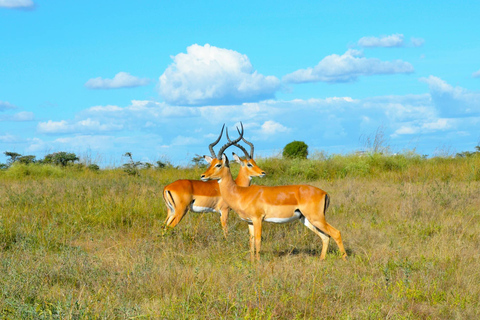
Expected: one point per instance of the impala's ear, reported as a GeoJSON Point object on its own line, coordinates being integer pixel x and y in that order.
{"type": "Point", "coordinates": [208, 158]}
{"type": "Point", "coordinates": [237, 158]}
{"type": "Point", "coordinates": [225, 160]}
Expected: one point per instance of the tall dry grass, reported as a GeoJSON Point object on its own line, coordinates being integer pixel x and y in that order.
{"type": "Point", "coordinates": [78, 244]}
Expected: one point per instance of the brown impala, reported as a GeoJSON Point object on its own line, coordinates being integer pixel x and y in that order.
{"type": "Point", "coordinates": [281, 204]}
{"type": "Point", "coordinates": [200, 196]}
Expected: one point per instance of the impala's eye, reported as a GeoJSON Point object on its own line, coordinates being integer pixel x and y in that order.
{"type": "Point", "coordinates": [218, 165]}
{"type": "Point", "coordinates": [250, 165]}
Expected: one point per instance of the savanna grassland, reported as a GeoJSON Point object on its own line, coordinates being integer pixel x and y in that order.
{"type": "Point", "coordinates": [82, 244]}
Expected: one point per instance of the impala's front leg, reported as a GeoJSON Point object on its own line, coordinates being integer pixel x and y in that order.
{"type": "Point", "coordinates": [252, 240]}
{"type": "Point", "coordinates": [257, 228]}
{"type": "Point", "coordinates": [223, 220]}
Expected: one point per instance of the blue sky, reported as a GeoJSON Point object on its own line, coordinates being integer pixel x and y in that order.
{"type": "Point", "coordinates": [159, 78]}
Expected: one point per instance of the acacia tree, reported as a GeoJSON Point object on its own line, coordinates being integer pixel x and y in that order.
{"type": "Point", "coordinates": [60, 158]}
{"type": "Point", "coordinates": [26, 159]}
{"type": "Point", "coordinates": [132, 166]}
{"type": "Point", "coordinates": [13, 157]}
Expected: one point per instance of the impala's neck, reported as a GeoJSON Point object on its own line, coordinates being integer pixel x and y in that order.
{"type": "Point", "coordinates": [228, 187]}
{"type": "Point", "coordinates": [243, 179]}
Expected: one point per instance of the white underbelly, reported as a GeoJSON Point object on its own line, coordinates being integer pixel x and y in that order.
{"type": "Point", "coordinates": [296, 215]}
{"type": "Point", "coordinates": [201, 209]}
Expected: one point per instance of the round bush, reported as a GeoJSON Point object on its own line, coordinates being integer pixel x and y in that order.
{"type": "Point", "coordinates": [296, 149]}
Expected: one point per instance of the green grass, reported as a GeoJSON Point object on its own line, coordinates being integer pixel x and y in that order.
{"type": "Point", "coordinates": [80, 244]}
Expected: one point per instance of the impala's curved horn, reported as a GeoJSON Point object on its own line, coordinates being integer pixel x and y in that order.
{"type": "Point", "coordinates": [213, 144]}
{"type": "Point", "coordinates": [251, 146]}
{"type": "Point", "coordinates": [239, 146]}
{"type": "Point", "coordinates": [230, 142]}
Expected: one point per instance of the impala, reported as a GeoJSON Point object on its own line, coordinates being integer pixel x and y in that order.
{"type": "Point", "coordinates": [280, 204]}
{"type": "Point", "coordinates": [199, 196]}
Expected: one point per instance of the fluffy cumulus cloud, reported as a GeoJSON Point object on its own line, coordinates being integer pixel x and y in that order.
{"type": "Point", "coordinates": [16, 4]}
{"type": "Point", "coordinates": [394, 40]}
{"type": "Point", "coordinates": [121, 80]}
{"type": "Point", "coordinates": [452, 101]}
{"type": "Point", "coordinates": [207, 75]}
{"type": "Point", "coordinates": [347, 67]}
{"type": "Point", "coordinates": [271, 127]}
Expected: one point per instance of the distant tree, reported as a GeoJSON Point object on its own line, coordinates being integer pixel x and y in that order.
{"type": "Point", "coordinates": [60, 158]}
{"type": "Point", "coordinates": [132, 167]}
{"type": "Point", "coordinates": [161, 165]}
{"type": "Point", "coordinates": [466, 154]}
{"type": "Point", "coordinates": [147, 165]}
{"type": "Point", "coordinates": [3, 166]}
{"type": "Point", "coordinates": [26, 159]}
{"type": "Point", "coordinates": [13, 157]}
{"type": "Point", "coordinates": [296, 149]}
{"type": "Point", "coordinates": [198, 161]}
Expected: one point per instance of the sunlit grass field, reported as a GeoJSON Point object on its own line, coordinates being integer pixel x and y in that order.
{"type": "Point", "coordinates": [82, 244]}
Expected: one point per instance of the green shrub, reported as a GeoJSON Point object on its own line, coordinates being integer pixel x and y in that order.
{"type": "Point", "coordinates": [296, 149]}
{"type": "Point", "coordinates": [93, 167]}
{"type": "Point", "coordinates": [19, 170]}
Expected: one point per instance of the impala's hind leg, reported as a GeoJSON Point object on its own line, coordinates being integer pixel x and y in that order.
{"type": "Point", "coordinates": [324, 237]}
{"type": "Point", "coordinates": [315, 213]}
{"type": "Point", "coordinates": [328, 229]}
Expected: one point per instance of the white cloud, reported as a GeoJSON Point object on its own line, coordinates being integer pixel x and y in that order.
{"type": "Point", "coordinates": [23, 116]}
{"type": "Point", "coordinates": [87, 125]}
{"type": "Point", "coordinates": [405, 130]}
{"type": "Point", "coordinates": [347, 67]}
{"type": "Point", "coordinates": [207, 75]}
{"type": "Point", "coordinates": [334, 124]}
{"type": "Point", "coordinates": [476, 74]}
{"type": "Point", "coordinates": [18, 117]}
{"type": "Point", "coordinates": [394, 40]}
{"type": "Point", "coordinates": [96, 142]}
{"type": "Point", "coordinates": [417, 42]}
{"type": "Point", "coordinates": [439, 124]}
{"type": "Point", "coordinates": [452, 101]}
{"type": "Point", "coordinates": [8, 138]}
{"type": "Point", "coordinates": [184, 141]}
{"type": "Point", "coordinates": [271, 127]}
{"type": "Point", "coordinates": [417, 127]}
{"type": "Point", "coordinates": [4, 105]}
{"type": "Point", "coordinates": [25, 4]}
{"type": "Point", "coordinates": [121, 80]}
{"type": "Point", "coordinates": [391, 41]}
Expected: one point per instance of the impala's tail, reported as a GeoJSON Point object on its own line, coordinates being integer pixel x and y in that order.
{"type": "Point", "coordinates": [327, 203]}
{"type": "Point", "coordinates": [170, 202]}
